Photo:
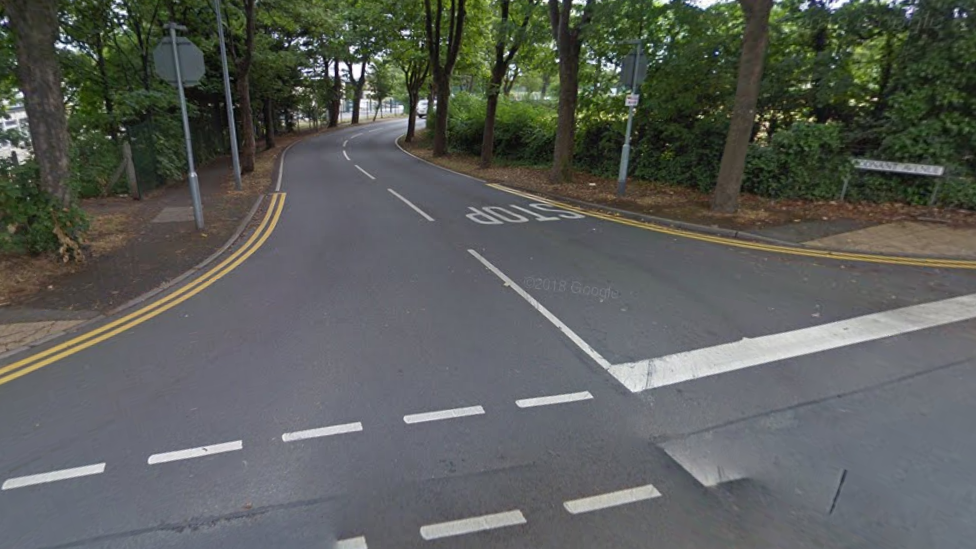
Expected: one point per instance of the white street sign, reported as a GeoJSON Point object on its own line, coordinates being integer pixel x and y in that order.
{"type": "Point", "coordinates": [898, 167]}
{"type": "Point", "coordinates": [632, 100]}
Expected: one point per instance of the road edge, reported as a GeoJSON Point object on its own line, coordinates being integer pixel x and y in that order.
{"type": "Point", "coordinates": [235, 237]}
{"type": "Point", "coordinates": [744, 236]}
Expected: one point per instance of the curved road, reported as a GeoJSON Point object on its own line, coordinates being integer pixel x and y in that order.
{"type": "Point", "coordinates": [412, 358]}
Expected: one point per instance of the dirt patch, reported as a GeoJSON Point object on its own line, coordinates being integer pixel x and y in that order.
{"type": "Point", "coordinates": [128, 254]}
{"type": "Point", "coordinates": [689, 205]}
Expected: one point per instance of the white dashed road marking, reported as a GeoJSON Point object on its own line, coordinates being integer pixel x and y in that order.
{"type": "Point", "coordinates": [412, 205]}
{"type": "Point", "coordinates": [346, 155]}
{"type": "Point", "coordinates": [355, 136]}
{"type": "Point", "coordinates": [444, 414]}
{"type": "Point", "coordinates": [63, 474]}
{"type": "Point", "coordinates": [364, 172]}
{"type": "Point", "coordinates": [191, 453]}
{"type": "Point", "coordinates": [554, 399]}
{"type": "Point", "coordinates": [472, 525]}
{"type": "Point", "coordinates": [352, 543]}
{"type": "Point", "coordinates": [597, 357]}
{"type": "Point", "coordinates": [323, 432]}
{"type": "Point", "coordinates": [344, 143]}
{"type": "Point", "coordinates": [613, 499]}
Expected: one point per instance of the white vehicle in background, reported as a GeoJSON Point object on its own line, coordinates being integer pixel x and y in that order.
{"type": "Point", "coordinates": [422, 108]}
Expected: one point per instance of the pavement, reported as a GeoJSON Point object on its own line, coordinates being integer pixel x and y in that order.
{"type": "Point", "coordinates": [399, 356]}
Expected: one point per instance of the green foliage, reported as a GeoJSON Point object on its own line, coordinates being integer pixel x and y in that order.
{"type": "Point", "coordinates": [524, 131]}
{"type": "Point", "coordinates": [94, 159]}
{"type": "Point", "coordinates": [805, 161]}
{"type": "Point", "coordinates": [29, 219]}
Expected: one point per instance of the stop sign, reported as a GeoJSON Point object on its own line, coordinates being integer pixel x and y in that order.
{"type": "Point", "coordinates": [192, 67]}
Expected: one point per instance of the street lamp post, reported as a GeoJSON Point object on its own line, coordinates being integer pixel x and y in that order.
{"type": "Point", "coordinates": [228, 99]}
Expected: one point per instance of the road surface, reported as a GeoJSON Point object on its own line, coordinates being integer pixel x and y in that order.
{"type": "Point", "coordinates": [405, 357]}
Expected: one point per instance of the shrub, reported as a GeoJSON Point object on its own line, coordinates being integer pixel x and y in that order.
{"type": "Point", "coordinates": [30, 220]}
{"type": "Point", "coordinates": [805, 161]}
{"type": "Point", "coordinates": [524, 131]}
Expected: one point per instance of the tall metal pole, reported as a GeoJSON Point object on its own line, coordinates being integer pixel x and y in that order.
{"type": "Point", "coordinates": [228, 99]}
{"type": "Point", "coordinates": [625, 153]}
{"type": "Point", "coordinates": [194, 182]}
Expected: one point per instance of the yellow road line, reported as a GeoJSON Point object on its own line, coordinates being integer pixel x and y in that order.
{"type": "Point", "coordinates": [808, 252]}
{"type": "Point", "coordinates": [88, 339]}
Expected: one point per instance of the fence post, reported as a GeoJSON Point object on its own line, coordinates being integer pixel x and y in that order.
{"type": "Point", "coordinates": [130, 171]}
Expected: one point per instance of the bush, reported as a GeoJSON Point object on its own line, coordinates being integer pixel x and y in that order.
{"type": "Point", "coordinates": [805, 161]}
{"type": "Point", "coordinates": [94, 160]}
{"type": "Point", "coordinates": [525, 132]}
{"type": "Point", "coordinates": [30, 220]}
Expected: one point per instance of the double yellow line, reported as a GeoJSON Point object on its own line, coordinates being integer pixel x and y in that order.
{"type": "Point", "coordinates": [34, 362]}
{"type": "Point", "coordinates": [809, 252]}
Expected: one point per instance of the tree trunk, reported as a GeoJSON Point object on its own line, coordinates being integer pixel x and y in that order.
{"type": "Point", "coordinates": [754, 41]}
{"type": "Point", "coordinates": [562, 156]}
{"type": "Point", "coordinates": [246, 117]}
{"type": "Point", "coordinates": [35, 27]}
{"type": "Point", "coordinates": [357, 96]}
{"type": "Point", "coordinates": [413, 98]}
{"type": "Point", "coordinates": [545, 85]}
{"type": "Point", "coordinates": [336, 105]}
{"type": "Point", "coordinates": [568, 46]}
{"type": "Point", "coordinates": [440, 127]}
{"type": "Point", "coordinates": [106, 88]}
{"type": "Point", "coordinates": [248, 150]}
{"type": "Point", "coordinates": [491, 110]}
{"type": "Point", "coordinates": [269, 124]}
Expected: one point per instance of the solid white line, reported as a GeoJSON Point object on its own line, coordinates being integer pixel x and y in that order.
{"type": "Point", "coordinates": [323, 432]}
{"type": "Point", "coordinates": [554, 399]}
{"type": "Point", "coordinates": [190, 453]}
{"type": "Point", "coordinates": [613, 499]}
{"type": "Point", "coordinates": [281, 167]}
{"type": "Point", "coordinates": [396, 141]}
{"type": "Point", "coordinates": [444, 414]}
{"type": "Point", "coordinates": [590, 351]}
{"type": "Point", "coordinates": [364, 171]}
{"type": "Point", "coordinates": [346, 155]}
{"type": "Point", "coordinates": [472, 525]}
{"type": "Point", "coordinates": [63, 474]}
{"type": "Point", "coordinates": [710, 361]}
{"type": "Point", "coordinates": [352, 543]}
{"type": "Point", "coordinates": [412, 205]}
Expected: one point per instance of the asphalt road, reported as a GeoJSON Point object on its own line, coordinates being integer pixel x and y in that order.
{"type": "Point", "coordinates": [373, 375]}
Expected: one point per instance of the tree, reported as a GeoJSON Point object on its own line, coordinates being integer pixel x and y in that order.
{"type": "Point", "coordinates": [754, 41]}
{"type": "Point", "coordinates": [243, 61]}
{"type": "Point", "coordinates": [35, 27]}
{"type": "Point", "coordinates": [408, 52]}
{"type": "Point", "coordinates": [508, 40]}
{"type": "Point", "coordinates": [569, 43]}
{"type": "Point", "coordinates": [381, 85]}
{"type": "Point", "coordinates": [443, 52]}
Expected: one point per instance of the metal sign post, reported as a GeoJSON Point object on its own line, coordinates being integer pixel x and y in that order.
{"type": "Point", "coordinates": [635, 79]}
{"type": "Point", "coordinates": [229, 99]}
{"type": "Point", "coordinates": [175, 47]}
{"type": "Point", "coordinates": [896, 167]}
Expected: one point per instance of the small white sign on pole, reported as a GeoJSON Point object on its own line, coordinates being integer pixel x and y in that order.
{"type": "Point", "coordinates": [632, 100]}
